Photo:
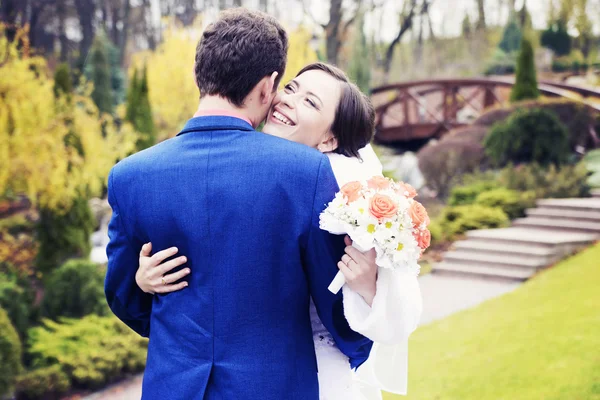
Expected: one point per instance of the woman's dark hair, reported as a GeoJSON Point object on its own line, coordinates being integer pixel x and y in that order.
{"type": "Point", "coordinates": [354, 122]}
{"type": "Point", "coordinates": [238, 50]}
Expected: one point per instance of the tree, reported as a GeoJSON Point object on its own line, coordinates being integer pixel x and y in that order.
{"type": "Point", "coordinates": [526, 86]}
{"type": "Point", "coordinates": [557, 38]}
{"type": "Point", "coordinates": [62, 81]}
{"type": "Point", "coordinates": [143, 122]}
{"type": "Point", "coordinates": [101, 76]}
{"type": "Point", "coordinates": [299, 54]}
{"type": "Point", "coordinates": [171, 59]}
{"type": "Point", "coordinates": [406, 22]}
{"type": "Point", "coordinates": [511, 38]}
{"type": "Point", "coordinates": [34, 158]}
{"type": "Point", "coordinates": [359, 69]}
{"type": "Point", "coordinates": [481, 24]}
{"type": "Point", "coordinates": [466, 26]}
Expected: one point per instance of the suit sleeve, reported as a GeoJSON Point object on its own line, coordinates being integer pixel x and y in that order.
{"type": "Point", "coordinates": [126, 300]}
{"type": "Point", "coordinates": [323, 252]}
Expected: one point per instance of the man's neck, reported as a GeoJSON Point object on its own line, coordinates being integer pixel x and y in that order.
{"type": "Point", "coordinates": [208, 103]}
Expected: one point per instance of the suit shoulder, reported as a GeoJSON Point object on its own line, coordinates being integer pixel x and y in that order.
{"type": "Point", "coordinates": [286, 152]}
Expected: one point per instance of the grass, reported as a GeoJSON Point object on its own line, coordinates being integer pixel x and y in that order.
{"type": "Point", "coordinates": [540, 342]}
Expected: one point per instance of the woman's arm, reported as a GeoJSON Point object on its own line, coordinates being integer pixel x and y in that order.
{"type": "Point", "coordinates": [151, 275]}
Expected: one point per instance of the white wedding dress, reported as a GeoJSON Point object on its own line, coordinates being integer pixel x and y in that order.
{"type": "Point", "coordinates": [394, 315]}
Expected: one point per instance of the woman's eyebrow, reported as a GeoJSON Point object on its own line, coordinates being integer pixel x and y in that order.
{"type": "Point", "coordinates": [295, 82]}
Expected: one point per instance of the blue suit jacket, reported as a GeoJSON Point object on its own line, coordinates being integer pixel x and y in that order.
{"type": "Point", "coordinates": [244, 208]}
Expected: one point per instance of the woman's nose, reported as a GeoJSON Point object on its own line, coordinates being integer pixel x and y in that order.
{"type": "Point", "coordinates": [288, 100]}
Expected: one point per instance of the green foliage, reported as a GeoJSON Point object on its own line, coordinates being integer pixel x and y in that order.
{"type": "Point", "coordinates": [535, 135]}
{"type": "Point", "coordinates": [117, 75]}
{"type": "Point", "coordinates": [64, 235]}
{"type": "Point", "coordinates": [592, 163]}
{"type": "Point", "coordinates": [42, 383]}
{"type": "Point", "coordinates": [501, 63]}
{"type": "Point", "coordinates": [511, 202]}
{"type": "Point", "coordinates": [10, 355]}
{"type": "Point", "coordinates": [74, 290]}
{"type": "Point", "coordinates": [526, 86]}
{"type": "Point", "coordinates": [437, 232]}
{"type": "Point", "coordinates": [101, 76]}
{"type": "Point", "coordinates": [17, 298]}
{"type": "Point", "coordinates": [457, 220]}
{"type": "Point", "coordinates": [465, 195]}
{"type": "Point", "coordinates": [511, 37]}
{"type": "Point", "coordinates": [92, 351]}
{"type": "Point", "coordinates": [557, 38]}
{"type": "Point", "coordinates": [139, 111]}
{"type": "Point", "coordinates": [62, 81]}
{"type": "Point", "coordinates": [548, 182]}
{"type": "Point", "coordinates": [359, 68]}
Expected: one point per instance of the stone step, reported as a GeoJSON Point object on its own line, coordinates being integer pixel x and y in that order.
{"type": "Point", "coordinates": [587, 204]}
{"type": "Point", "coordinates": [558, 224]}
{"type": "Point", "coordinates": [464, 257]}
{"type": "Point", "coordinates": [531, 236]}
{"type": "Point", "coordinates": [492, 273]}
{"type": "Point", "coordinates": [574, 215]}
{"type": "Point", "coordinates": [549, 253]}
{"type": "Point", "coordinates": [596, 193]}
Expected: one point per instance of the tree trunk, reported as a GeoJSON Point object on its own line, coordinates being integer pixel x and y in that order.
{"type": "Point", "coordinates": [405, 26]}
{"type": "Point", "coordinates": [332, 31]}
{"type": "Point", "coordinates": [263, 6]}
{"type": "Point", "coordinates": [237, 3]}
{"type": "Point", "coordinates": [61, 11]}
{"type": "Point", "coordinates": [122, 40]}
{"type": "Point", "coordinates": [481, 25]}
{"type": "Point", "coordinates": [9, 11]}
{"type": "Point", "coordinates": [86, 10]}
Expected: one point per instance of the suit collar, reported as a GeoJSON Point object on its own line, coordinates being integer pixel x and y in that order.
{"type": "Point", "coordinates": [215, 123]}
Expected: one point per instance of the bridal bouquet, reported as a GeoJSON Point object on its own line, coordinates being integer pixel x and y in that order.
{"type": "Point", "coordinates": [381, 214]}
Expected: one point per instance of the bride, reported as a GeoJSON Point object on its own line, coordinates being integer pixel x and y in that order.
{"type": "Point", "coordinates": [322, 109]}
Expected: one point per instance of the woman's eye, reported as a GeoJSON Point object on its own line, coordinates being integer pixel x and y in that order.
{"type": "Point", "coordinates": [288, 88]}
{"type": "Point", "coordinates": [312, 103]}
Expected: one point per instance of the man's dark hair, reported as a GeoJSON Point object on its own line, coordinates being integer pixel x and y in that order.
{"type": "Point", "coordinates": [354, 123]}
{"type": "Point", "coordinates": [238, 50]}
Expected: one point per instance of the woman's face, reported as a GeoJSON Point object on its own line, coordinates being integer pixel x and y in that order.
{"type": "Point", "coordinates": [304, 110]}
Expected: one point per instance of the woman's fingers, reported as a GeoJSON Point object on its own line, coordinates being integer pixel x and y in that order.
{"type": "Point", "coordinates": [146, 250]}
{"type": "Point", "coordinates": [171, 288]}
{"type": "Point", "coordinates": [348, 274]}
{"type": "Point", "coordinates": [175, 276]}
{"type": "Point", "coordinates": [163, 255]}
{"type": "Point", "coordinates": [169, 265]}
{"type": "Point", "coordinates": [347, 240]}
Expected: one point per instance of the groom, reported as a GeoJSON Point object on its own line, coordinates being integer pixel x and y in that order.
{"type": "Point", "coordinates": [244, 208]}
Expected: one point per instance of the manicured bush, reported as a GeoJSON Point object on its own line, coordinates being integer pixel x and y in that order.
{"type": "Point", "coordinates": [16, 298]}
{"type": "Point", "coordinates": [528, 136]}
{"type": "Point", "coordinates": [511, 202]}
{"type": "Point", "coordinates": [548, 182]}
{"type": "Point", "coordinates": [574, 115]}
{"type": "Point", "coordinates": [464, 195]}
{"type": "Point", "coordinates": [592, 163]}
{"type": "Point", "coordinates": [437, 232]}
{"type": "Point", "coordinates": [10, 355]}
{"type": "Point", "coordinates": [64, 235]}
{"type": "Point", "coordinates": [92, 351]}
{"type": "Point", "coordinates": [526, 86]}
{"type": "Point", "coordinates": [46, 383]}
{"type": "Point", "coordinates": [459, 219]}
{"type": "Point", "coordinates": [74, 290]}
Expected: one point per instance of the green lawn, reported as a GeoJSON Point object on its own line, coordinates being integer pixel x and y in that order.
{"type": "Point", "coordinates": [540, 342]}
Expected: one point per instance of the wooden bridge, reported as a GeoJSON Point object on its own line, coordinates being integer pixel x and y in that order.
{"type": "Point", "coordinates": [426, 109]}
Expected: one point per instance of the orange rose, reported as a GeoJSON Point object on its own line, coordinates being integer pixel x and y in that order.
{"type": "Point", "coordinates": [418, 214]}
{"type": "Point", "coordinates": [406, 190]}
{"type": "Point", "coordinates": [378, 183]}
{"type": "Point", "coordinates": [423, 238]}
{"type": "Point", "coordinates": [352, 191]}
{"type": "Point", "coordinates": [382, 206]}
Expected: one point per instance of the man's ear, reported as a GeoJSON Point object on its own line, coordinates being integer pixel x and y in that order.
{"type": "Point", "coordinates": [268, 89]}
{"type": "Point", "coordinates": [328, 144]}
